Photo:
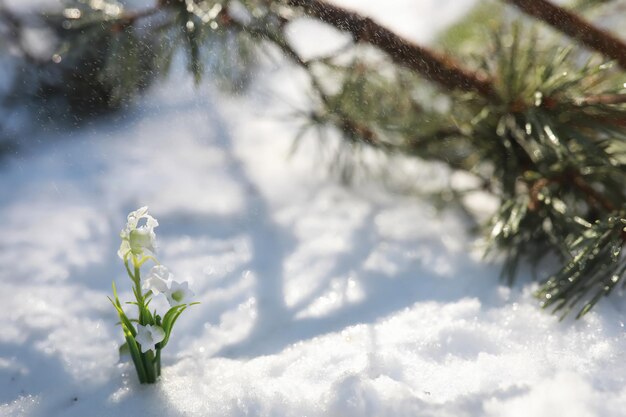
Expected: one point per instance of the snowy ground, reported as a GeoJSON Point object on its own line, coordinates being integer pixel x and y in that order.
{"type": "Point", "coordinates": [316, 300]}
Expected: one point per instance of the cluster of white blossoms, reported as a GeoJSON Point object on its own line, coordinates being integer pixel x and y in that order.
{"type": "Point", "coordinates": [161, 281]}
{"type": "Point", "coordinates": [150, 334]}
{"type": "Point", "coordinates": [136, 240]}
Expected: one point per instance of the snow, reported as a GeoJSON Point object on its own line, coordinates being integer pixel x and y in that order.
{"type": "Point", "coordinates": [316, 299]}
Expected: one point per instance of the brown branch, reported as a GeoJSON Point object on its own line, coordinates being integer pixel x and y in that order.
{"type": "Point", "coordinates": [604, 99]}
{"type": "Point", "coordinates": [133, 16]}
{"type": "Point", "coordinates": [593, 196]}
{"type": "Point", "coordinates": [437, 67]}
{"type": "Point", "coordinates": [535, 189]}
{"type": "Point", "coordinates": [576, 180]}
{"type": "Point", "coordinates": [347, 126]}
{"type": "Point", "coordinates": [575, 27]}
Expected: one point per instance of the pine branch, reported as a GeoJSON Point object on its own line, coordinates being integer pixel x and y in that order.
{"type": "Point", "coordinates": [544, 134]}
{"type": "Point", "coordinates": [346, 125]}
{"type": "Point", "coordinates": [593, 196]}
{"type": "Point", "coordinates": [575, 180]}
{"type": "Point", "coordinates": [575, 27]}
{"type": "Point", "coordinates": [605, 99]}
{"type": "Point", "coordinates": [132, 17]}
{"type": "Point", "coordinates": [594, 268]}
{"type": "Point", "coordinates": [439, 68]}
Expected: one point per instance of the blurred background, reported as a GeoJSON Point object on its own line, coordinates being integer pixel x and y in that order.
{"type": "Point", "coordinates": [329, 178]}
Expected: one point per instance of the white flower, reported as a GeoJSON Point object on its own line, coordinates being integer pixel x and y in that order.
{"type": "Point", "coordinates": [148, 336]}
{"type": "Point", "coordinates": [178, 293]}
{"type": "Point", "coordinates": [158, 279]}
{"type": "Point", "coordinates": [135, 239]}
{"type": "Point", "coordinates": [161, 281]}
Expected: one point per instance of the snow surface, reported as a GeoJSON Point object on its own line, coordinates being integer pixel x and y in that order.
{"type": "Point", "coordinates": [316, 299]}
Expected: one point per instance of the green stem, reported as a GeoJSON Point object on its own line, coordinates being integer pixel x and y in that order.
{"type": "Point", "coordinates": [137, 277]}
{"type": "Point", "coordinates": [148, 362]}
{"type": "Point", "coordinates": [138, 294]}
{"type": "Point", "coordinates": [137, 359]}
{"type": "Point", "coordinates": [158, 362]}
{"type": "Point", "coordinates": [146, 259]}
{"type": "Point", "coordinates": [130, 274]}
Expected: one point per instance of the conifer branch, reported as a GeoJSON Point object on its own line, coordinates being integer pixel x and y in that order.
{"type": "Point", "coordinates": [131, 17]}
{"type": "Point", "coordinates": [439, 68]}
{"type": "Point", "coordinates": [343, 122]}
{"type": "Point", "coordinates": [543, 134]}
{"type": "Point", "coordinates": [575, 27]}
{"type": "Point", "coordinates": [605, 99]}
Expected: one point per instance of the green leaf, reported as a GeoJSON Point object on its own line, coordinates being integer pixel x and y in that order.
{"type": "Point", "coordinates": [137, 357]}
{"type": "Point", "coordinates": [123, 318]}
{"type": "Point", "coordinates": [129, 335]}
{"type": "Point", "coordinates": [169, 320]}
{"type": "Point", "coordinates": [149, 366]}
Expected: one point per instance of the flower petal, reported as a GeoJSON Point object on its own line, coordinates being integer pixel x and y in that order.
{"type": "Point", "coordinates": [140, 238]}
{"type": "Point", "coordinates": [148, 336]}
{"type": "Point", "coordinates": [178, 293]}
{"type": "Point", "coordinates": [157, 279]}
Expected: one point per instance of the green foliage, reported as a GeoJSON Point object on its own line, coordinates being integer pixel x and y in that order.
{"type": "Point", "coordinates": [595, 267]}
{"type": "Point", "coordinates": [169, 320]}
{"type": "Point", "coordinates": [551, 149]}
{"type": "Point", "coordinates": [129, 336]}
{"type": "Point", "coordinates": [471, 33]}
{"type": "Point", "coordinates": [147, 364]}
{"type": "Point", "coordinates": [107, 55]}
{"type": "Point", "coordinates": [102, 61]}
{"type": "Point", "coordinates": [560, 167]}
{"type": "Point", "coordinates": [584, 5]}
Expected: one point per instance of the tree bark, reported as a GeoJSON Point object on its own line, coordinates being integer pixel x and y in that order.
{"type": "Point", "coordinates": [437, 67]}
{"type": "Point", "coordinates": [575, 27]}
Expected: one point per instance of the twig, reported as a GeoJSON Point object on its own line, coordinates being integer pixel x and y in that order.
{"type": "Point", "coordinates": [606, 99]}
{"type": "Point", "coordinates": [131, 17]}
{"type": "Point", "coordinates": [593, 197]}
{"type": "Point", "coordinates": [533, 192]}
{"type": "Point", "coordinates": [344, 123]}
{"type": "Point", "coordinates": [575, 27]}
{"type": "Point", "coordinates": [437, 67]}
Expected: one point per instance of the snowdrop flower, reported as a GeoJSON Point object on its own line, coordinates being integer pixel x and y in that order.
{"type": "Point", "coordinates": [148, 336]}
{"type": "Point", "coordinates": [178, 293]}
{"type": "Point", "coordinates": [161, 281]}
{"type": "Point", "coordinates": [137, 239]}
{"type": "Point", "coordinates": [157, 280]}
{"type": "Point", "coordinates": [138, 244]}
